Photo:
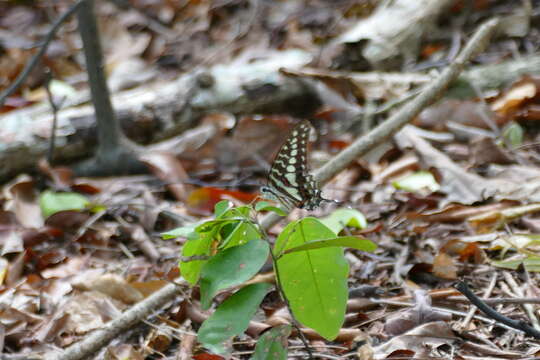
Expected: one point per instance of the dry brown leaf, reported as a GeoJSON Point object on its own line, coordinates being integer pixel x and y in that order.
{"type": "Point", "coordinates": [85, 312]}
{"type": "Point", "coordinates": [116, 287]}
{"type": "Point", "coordinates": [23, 202]}
{"type": "Point", "coordinates": [168, 168]}
{"type": "Point", "coordinates": [421, 313]}
{"type": "Point", "coordinates": [421, 340]}
{"type": "Point", "coordinates": [444, 267]}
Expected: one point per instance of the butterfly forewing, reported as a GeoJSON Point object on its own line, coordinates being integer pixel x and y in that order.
{"type": "Point", "coordinates": [289, 179]}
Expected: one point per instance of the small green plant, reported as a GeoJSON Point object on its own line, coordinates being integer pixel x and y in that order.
{"type": "Point", "coordinates": [309, 263]}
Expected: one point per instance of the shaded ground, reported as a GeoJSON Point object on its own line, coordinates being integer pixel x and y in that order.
{"type": "Point", "coordinates": [475, 218]}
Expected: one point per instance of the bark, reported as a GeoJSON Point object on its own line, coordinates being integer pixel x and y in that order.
{"type": "Point", "coordinates": [151, 113]}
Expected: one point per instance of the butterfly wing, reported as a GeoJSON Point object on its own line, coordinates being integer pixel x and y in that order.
{"type": "Point", "coordinates": [289, 179]}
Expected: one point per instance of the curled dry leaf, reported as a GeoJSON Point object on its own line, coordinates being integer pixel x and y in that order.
{"type": "Point", "coordinates": [519, 98]}
{"type": "Point", "coordinates": [10, 233]}
{"type": "Point", "coordinates": [23, 202]}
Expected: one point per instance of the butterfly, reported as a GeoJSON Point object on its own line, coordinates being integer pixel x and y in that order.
{"type": "Point", "coordinates": [289, 180]}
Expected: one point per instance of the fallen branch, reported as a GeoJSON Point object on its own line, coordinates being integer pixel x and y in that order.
{"type": "Point", "coordinates": [490, 312]}
{"type": "Point", "coordinates": [134, 315]}
{"type": "Point", "coordinates": [403, 116]}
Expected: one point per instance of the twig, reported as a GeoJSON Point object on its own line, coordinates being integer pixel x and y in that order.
{"type": "Point", "coordinates": [29, 356]}
{"type": "Point", "coordinates": [487, 294]}
{"type": "Point", "coordinates": [135, 314]}
{"type": "Point", "coordinates": [490, 312]}
{"type": "Point", "coordinates": [35, 59]}
{"type": "Point", "coordinates": [404, 115]}
{"type": "Point", "coordinates": [499, 300]}
{"type": "Point", "coordinates": [519, 292]}
{"type": "Point", "coordinates": [54, 108]}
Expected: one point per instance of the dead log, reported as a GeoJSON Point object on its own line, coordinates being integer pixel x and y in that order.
{"type": "Point", "coordinates": [158, 111]}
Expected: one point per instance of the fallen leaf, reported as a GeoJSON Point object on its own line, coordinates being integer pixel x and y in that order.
{"type": "Point", "coordinates": [116, 287]}
{"type": "Point", "coordinates": [169, 169]}
{"type": "Point", "coordinates": [421, 313]}
{"type": "Point", "coordinates": [424, 339]}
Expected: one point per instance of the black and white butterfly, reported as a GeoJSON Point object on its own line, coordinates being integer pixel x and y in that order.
{"type": "Point", "coordinates": [289, 180]}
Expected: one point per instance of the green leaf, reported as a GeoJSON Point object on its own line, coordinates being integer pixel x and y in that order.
{"type": "Point", "coordinates": [355, 242]}
{"type": "Point", "coordinates": [266, 206]}
{"type": "Point", "coordinates": [231, 267]}
{"type": "Point", "coordinates": [233, 228]}
{"type": "Point", "coordinates": [184, 231]}
{"type": "Point", "coordinates": [53, 202]}
{"type": "Point", "coordinates": [531, 263]}
{"type": "Point", "coordinates": [232, 317]}
{"type": "Point", "coordinates": [513, 133]}
{"type": "Point", "coordinates": [221, 207]}
{"type": "Point", "coordinates": [418, 181]}
{"type": "Point", "coordinates": [341, 218]}
{"type": "Point", "coordinates": [238, 234]}
{"type": "Point", "coordinates": [200, 244]}
{"type": "Point", "coordinates": [214, 225]}
{"type": "Point", "coordinates": [272, 345]}
{"type": "Point", "coordinates": [314, 281]}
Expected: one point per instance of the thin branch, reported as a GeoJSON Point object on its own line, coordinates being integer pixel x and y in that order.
{"type": "Point", "coordinates": [54, 108]}
{"type": "Point", "coordinates": [487, 294]}
{"type": "Point", "coordinates": [403, 116]}
{"type": "Point", "coordinates": [101, 337]}
{"type": "Point", "coordinates": [496, 301]}
{"type": "Point", "coordinates": [35, 59]}
{"type": "Point", "coordinates": [490, 312]}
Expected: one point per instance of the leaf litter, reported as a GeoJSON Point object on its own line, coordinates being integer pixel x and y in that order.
{"type": "Point", "coordinates": [475, 217]}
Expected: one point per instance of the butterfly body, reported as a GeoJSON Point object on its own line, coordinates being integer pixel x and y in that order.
{"type": "Point", "coordinates": [289, 180]}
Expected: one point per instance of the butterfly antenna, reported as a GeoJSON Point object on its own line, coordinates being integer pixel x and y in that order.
{"type": "Point", "coordinates": [333, 201]}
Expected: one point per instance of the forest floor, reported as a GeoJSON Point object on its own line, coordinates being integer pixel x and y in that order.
{"type": "Point", "coordinates": [452, 197]}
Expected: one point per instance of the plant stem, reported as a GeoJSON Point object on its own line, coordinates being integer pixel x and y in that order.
{"type": "Point", "coordinates": [279, 286]}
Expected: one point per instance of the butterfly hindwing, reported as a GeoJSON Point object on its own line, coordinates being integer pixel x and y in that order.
{"type": "Point", "coordinates": [289, 179]}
